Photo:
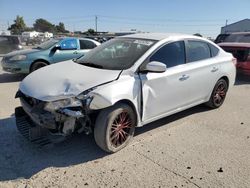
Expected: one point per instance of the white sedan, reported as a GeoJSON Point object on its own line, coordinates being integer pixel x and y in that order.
{"type": "Point", "coordinates": [124, 83]}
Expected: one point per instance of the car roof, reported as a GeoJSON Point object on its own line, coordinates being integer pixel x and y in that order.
{"type": "Point", "coordinates": [234, 44]}
{"type": "Point", "coordinates": [79, 38]}
{"type": "Point", "coordinates": [61, 38]}
{"type": "Point", "coordinates": [237, 33]}
{"type": "Point", "coordinates": [158, 36]}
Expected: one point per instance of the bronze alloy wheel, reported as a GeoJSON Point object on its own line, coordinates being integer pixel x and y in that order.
{"type": "Point", "coordinates": [115, 127]}
{"type": "Point", "coordinates": [220, 93]}
{"type": "Point", "coordinates": [120, 129]}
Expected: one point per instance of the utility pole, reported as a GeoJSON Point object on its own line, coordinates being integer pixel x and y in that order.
{"type": "Point", "coordinates": [96, 24]}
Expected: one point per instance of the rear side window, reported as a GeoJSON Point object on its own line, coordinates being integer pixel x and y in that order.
{"type": "Point", "coordinates": [214, 50]}
{"type": "Point", "coordinates": [197, 50]}
{"type": "Point", "coordinates": [86, 44]}
{"type": "Point", "coordinates": [172, 54]}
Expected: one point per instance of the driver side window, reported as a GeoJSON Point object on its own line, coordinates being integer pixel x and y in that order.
{"type": "Point", "coordinates": [171, 54]}
{"type": "Point", "coordinates": [69, 44]}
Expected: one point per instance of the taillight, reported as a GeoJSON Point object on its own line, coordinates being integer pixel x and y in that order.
{"type": "Point", "coordinates": [234, 60]}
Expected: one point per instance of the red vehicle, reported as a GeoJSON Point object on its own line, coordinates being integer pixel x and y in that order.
{"type": "Point", "coordinates": [241, 51]}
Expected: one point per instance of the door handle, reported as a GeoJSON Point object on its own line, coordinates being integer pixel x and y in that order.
{"type": "Point", "coordinates": [214, 69]}
{"type": "Point", "coordinates": [75, 52]}
{"type": "Point", "coordinates": [183, 77]}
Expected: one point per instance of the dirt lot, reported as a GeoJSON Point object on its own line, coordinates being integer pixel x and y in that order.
{"type": "Point", "coordinates": [194, 148]}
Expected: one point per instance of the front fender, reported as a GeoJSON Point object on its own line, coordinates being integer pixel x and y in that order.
{"type": "Point", "coordinates": [127, 88]}
{"type": "Point", "coordinates": [99, 102]}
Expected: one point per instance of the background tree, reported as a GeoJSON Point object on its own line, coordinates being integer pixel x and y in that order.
{"type": "Point", "coordinates": [29, 29]}
{"type": "Point", "coordinates": [60, 28]}
{"type": "Point", "coordinates": [91, 31]}
{"type": "Point", "coordinates": [42, 25]}
{"type": "Point", "coordinates": [18, 27]}
{"type": "Point", "coordinates": [198, 35]}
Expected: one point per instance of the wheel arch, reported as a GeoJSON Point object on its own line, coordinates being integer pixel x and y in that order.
{"type": "Point", "coordinates": [37, 60]}
{"type": "Point", "coordinates": [226, 79]}
{"type": "Point", "coordinates": [131, 105]}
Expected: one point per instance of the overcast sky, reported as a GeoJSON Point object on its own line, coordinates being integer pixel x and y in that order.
{"type": "Point", "coordinates": [182, 16]}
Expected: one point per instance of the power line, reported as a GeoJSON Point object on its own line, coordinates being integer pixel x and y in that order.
{"type": "Point", "coordinates": [161, 25]}
{"type": "Point", "coordinates": [163, 20]}
{"type": "Point", "coordinates": [95, 23]}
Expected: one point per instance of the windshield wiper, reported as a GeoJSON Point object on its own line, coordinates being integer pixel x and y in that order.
{"type": "Point", "coordinates": [92, 65]}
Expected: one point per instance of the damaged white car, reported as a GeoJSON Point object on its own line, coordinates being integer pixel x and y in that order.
{"type": "Point", "coordinates": [125, 83]}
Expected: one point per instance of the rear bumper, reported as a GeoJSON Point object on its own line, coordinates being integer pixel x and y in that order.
{"type": "Point", "coordinates": [243, 71]}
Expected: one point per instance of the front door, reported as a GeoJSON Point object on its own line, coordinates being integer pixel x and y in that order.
{"type": "Point", "coordinates": [69, 50]}
{"type": "Point", "coordinates": [164, 92]}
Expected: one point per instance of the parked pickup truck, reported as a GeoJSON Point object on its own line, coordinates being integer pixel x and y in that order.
{"type": "Point", "coordinates": [241, 51]}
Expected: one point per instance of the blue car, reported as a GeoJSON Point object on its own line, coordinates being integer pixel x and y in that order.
{"type": "Point", "coordinates": [49, 52]}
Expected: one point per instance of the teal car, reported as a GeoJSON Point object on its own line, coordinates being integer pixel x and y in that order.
{"type": "Point", "coordinates": [49, 52]}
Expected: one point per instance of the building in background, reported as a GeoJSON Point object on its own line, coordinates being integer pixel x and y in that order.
{"type": "Point", "coordinates": [29, 35]}
{"type": "Point", "coordinates": [240, 26]}
{"type": "Point", "coordinates": [4, 32]}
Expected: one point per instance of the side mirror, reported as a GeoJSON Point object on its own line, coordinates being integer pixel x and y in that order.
{"type": "Point", "coordinates": [155, 66]}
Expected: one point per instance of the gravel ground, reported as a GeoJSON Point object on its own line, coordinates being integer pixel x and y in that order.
{"type": "Point", "coordinates": [195, 148]}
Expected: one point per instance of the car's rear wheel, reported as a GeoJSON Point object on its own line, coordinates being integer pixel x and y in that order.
{"type": "Point", "coordinates": [115, 127]}
{"type": "Point", "coordinates": [218, 95]}
{"type": "Point", "coordinates": [38, 65]}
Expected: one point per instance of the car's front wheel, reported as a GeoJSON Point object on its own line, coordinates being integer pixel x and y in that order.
{"type": "Point", "coordinates": [218, 95]}
{"type": "Point", "coordinates": [37, 65]}
{"type": "Point", "coordinates": [115, 127]}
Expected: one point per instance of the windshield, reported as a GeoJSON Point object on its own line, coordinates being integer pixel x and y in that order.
{"type": "Point", "coordinates": [116, 54]}
{"type": "Point", "coordinates": [48, 44]}
{"type": "Point", "coordinates": [245, 38]}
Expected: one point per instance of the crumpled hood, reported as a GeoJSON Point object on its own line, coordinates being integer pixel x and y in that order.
{"type": "Point", "coordinates": [21, 52]}
{"type": "Point", "coordinates": [64, 79]}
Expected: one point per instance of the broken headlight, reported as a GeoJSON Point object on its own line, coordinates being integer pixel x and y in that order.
{"type": "Point", "coordinates": [64, 103]}
{"type": "Point", "coordinates": [84, 99]}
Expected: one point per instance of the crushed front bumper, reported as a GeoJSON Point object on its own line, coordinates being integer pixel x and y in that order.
{"type": "Point", "coordinates": [41, 118]}
{"type": "Point", "coordinates": [32, 132]}
{"type": "Point", "coordinates": [40, 125]}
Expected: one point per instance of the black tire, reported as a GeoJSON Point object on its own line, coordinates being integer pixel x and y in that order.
{"type": "Point", "coordinates": [38, 65]}
{"type": "Point", "coordinates": [109, 126]}
{"type": "Point", "coordinates": [218, 95]}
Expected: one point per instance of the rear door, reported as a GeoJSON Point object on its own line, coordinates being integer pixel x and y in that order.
{"type": "Point", "coordinates": [203, 68]}
{"type": "Point", "coordinates": [86, 45]}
